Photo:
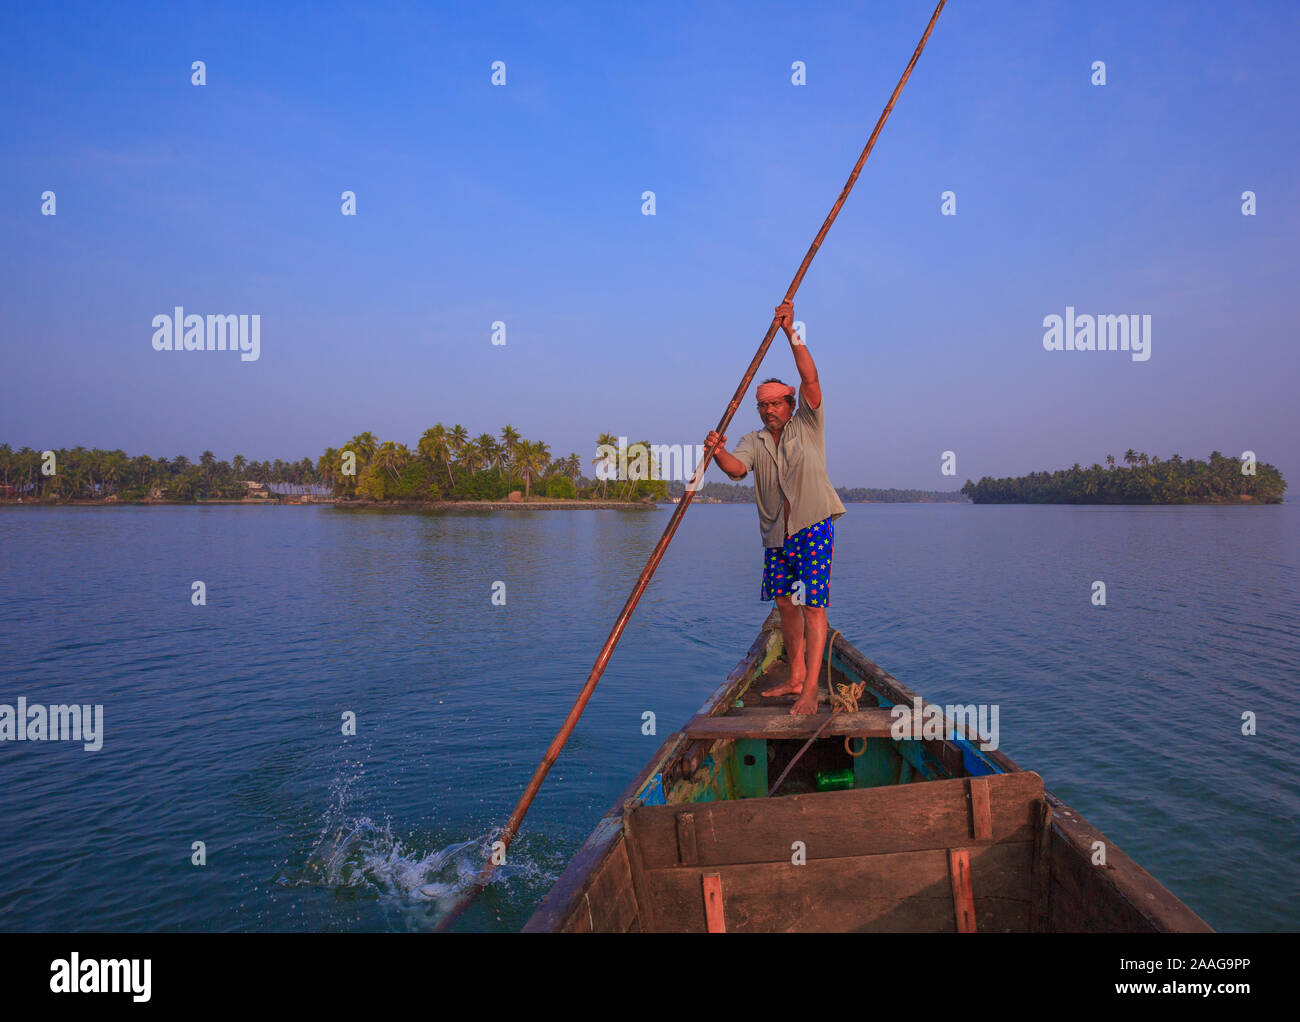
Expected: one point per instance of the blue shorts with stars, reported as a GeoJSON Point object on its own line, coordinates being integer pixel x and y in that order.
{"type": "Point", "coordinates": [806, 558]}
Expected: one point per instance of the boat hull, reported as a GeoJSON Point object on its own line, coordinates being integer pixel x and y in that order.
{"type": "Point", "coordinates": [934, 836]}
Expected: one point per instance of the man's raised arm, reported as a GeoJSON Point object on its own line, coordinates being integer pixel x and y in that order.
{"type": "Point", "coordinates": [803, 360]}
{"type": "Point", "coordinates": [734, 467]}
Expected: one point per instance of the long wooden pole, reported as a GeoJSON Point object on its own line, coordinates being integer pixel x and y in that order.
{"type": "Point", "coordinates": [656, 555]}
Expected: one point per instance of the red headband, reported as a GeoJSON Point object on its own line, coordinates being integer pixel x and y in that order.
{"type": "Point", "coordinates": [772, 391]}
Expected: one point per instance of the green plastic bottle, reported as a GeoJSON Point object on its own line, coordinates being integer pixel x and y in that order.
{"type": "Point", "coordinates": [835, 780]}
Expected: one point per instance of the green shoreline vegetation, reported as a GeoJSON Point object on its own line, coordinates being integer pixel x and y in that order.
{"type": "Point", "coordinates": [1145, 480]}
{"type": "Point", "coordinates": [446, 466]}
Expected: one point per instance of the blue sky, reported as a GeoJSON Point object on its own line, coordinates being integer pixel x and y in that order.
{"type": "Point", "coordinates": [522, 203]}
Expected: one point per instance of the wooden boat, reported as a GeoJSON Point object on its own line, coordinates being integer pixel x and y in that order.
{"type": "Point", "coordinates": [934, 835]}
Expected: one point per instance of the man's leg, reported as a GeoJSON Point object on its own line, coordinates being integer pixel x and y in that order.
{"type": "Point", "coordinates": [812, 555]}
{"type": "Point", "coordinates": [814, 641]}
{"type": "Point", "coordinates": [792, 629]}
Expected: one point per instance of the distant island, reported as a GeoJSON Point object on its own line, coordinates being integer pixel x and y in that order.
{"type": "Point", "coordinates": [1145, 480]}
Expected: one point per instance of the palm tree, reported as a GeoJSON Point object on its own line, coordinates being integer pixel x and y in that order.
{"type": "Point", "coordinates": [207, 461]}
{"type": "Point", "coordinates": [510, 440]}
{"type": "Point", "coordinates": [33, 470]}
{"type": "Point", "coordinates": [471, 456]}
{"type": "Point", "coordinates": [115, 465]}
{"type": "Point", "coordinates": [306, 474]}
{"type": "Point", "coordinates": [363, 445]}
{"type": "Point", "coordinates": [457, 439]}
{"type": "Point", "coordinates": [532, 461]}
{"type": "Point", "coordinates": [604, 440]}
{"type": "Point", "coordinates": [651, 463]}
{"type": "Point", "coordinates": [239, 464]}
{"type": "Point", "coordinates": [71, 477]}
{"type": "Point", "coordinates": [490, 450]}
{"type": "Point", "coordinates": [394, 457]}
{"type": "Point", "coordinates": [436, 446]}
{"type": "Point", "coordinates": [142, 471]}
{"type": "Point", "coordinates": [327, 468]}
{"type": "Point", "coordinates": [74, 463]}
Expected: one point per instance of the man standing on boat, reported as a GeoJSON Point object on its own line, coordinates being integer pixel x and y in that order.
{"type": "Point", "coordinates": [797, 507]}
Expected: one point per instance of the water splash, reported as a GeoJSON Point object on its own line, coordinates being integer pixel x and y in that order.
{"type": "Point", "coordinates": [366, 860]}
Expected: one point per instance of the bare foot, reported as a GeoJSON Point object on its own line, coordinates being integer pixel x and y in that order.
{"type": "Point", "coordinates": [786, 688]}
{"type": "Point", "coordinates": [805, 705]}
{"type": "Point", "coordinates": [792, 686]}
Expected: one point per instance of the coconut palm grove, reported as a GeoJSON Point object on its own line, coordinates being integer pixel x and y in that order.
{"type": "Point", "coordinates": [447, 464]}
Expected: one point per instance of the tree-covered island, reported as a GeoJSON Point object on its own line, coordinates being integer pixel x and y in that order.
{"type": "Point", "coordinates": [1144, 480]}
{"type": "Point", "coordinates": [446, 465]}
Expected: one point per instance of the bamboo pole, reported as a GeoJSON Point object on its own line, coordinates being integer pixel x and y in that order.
{"type": "Point", "coordinates": [656, 555]}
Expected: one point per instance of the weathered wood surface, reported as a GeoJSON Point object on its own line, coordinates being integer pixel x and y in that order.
{"type": "Point", "coordinates": [866, 723]}
{"type": "Point", "coordinates": [838, 824]}
{"type": "Point", "coordinates": [776, 673]}
{"type": "Point", "coordinates": [1040, 912]}
{"type": "Point", "coordinates": [981, 821]}
{"type": "Point", "coordinates": [602, 898]}
{"type": "Point", "coordinates": [963, 893]}
{"type": "Point", "coordinates": [1120, 896]}
{"type": "Point", "coordinates": [714, 918]}
{"type": "Point", "coordinates": [775, 708]}
{"type": "Point", "coordinates": [640, 890]}
{"type": "Point", "coordinates": [686, 847]}
{"type": "Point", "coordinates": [610, 900]}
{"type": "Point", "coordinates": [898, 892]}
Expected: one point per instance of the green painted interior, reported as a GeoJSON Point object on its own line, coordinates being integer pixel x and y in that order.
{"type": "Point", "coordinates": [877, 767]}
{"type": "Point", "coordinates": [750, 757]}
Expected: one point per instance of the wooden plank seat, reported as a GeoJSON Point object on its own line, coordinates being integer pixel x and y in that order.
{"type": "Point", "coordinates": [865, 723]}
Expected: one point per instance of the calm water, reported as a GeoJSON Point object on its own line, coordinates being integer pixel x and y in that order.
{"type": "Point", "coordinates": [223, 722]}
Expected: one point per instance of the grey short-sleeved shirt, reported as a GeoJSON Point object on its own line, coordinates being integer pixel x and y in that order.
{"type": "Point", "coordinates": [795, 472]}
